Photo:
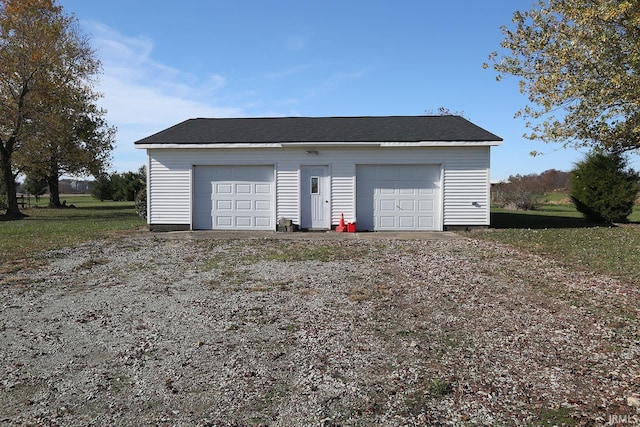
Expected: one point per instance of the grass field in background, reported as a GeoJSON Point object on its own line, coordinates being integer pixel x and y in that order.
{"type": "Point", "coordinates": [46, 228]}
{"type": "Point", "coordinates": [557, 230]}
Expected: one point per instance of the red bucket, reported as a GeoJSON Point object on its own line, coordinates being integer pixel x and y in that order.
{"type": "Point", "coordinates": [351, 227]}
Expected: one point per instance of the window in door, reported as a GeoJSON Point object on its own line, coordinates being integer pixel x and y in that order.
{"type": "Point", "coordinates": [315, 185]}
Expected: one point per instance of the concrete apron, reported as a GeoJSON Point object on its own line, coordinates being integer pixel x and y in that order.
{"type": "Point", "coordinates": [314, 235]}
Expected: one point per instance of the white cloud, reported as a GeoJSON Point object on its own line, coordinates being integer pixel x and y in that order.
{"type": "Point", "coordinates": [141, 105]}
{"type": "Point", "coordinates": [143, 96]}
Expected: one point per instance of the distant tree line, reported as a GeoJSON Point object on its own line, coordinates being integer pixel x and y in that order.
{"type": "Point", "coordinates": [528, 192]}
{"type": "Point", "coordinates": [119, 186]}
{"type": "Point", "coordinates": [126, 186]}
{"type": "Point", "coordinates": [602, 187]}
{"type": "Point", "coordinates": [38, 187]}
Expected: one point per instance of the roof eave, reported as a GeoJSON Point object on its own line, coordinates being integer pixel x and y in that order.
{"type": "Point", "coordinates": [150, 146]}
{"type": "Point", "coordinates": [441, 144]}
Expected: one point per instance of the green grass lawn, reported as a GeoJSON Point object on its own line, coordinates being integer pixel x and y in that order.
{"type": "Point", "coordinates": [46, 228]}
{"type": "Point", "coordinates": [559, 231]}
{"type": "Point", "coordinates": [556, 230]}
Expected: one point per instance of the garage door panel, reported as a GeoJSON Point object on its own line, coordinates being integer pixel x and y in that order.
{"type": "Point", "coordinates": [387, 205]}
{"type": "Point", "coordinates": [387, 221]}
{"type": "Point", "coordinates": [407, 222]}
{"type": "Point", "coordinates": [398, 197]}
{"type": "Point", "coordinates": [263, 222]}
{"type": "Point", "coordinates": [223, 188]}
{"type": "Point", "coordinates": [407, 191]}
{"type": "Point", "coordinates": [224, 205]}
{"type": "Point", "coordinates": [426, 222]}
{"type": "Point", "coordinates": [263, 189]}
{"type": "Point", "coordinates": [224, 221]}
{"type": "Point", "coordinates": [262, 205]}
{"type": "Point", "coordinates": [244, 222]}
{"type": "Point", "coordinates": [426, 205]}
{"type": "Point", "coordinates": [243, 188]}
{"type": "Point", "coordinates": [234, 197]}
{"type": "Point", "coordinates": [244, 205]}
{"type": "Point", "coordinates": [406, 205]}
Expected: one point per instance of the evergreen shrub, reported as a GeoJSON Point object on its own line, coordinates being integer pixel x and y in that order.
{"type": "Point", "coordinates": [603, 188]}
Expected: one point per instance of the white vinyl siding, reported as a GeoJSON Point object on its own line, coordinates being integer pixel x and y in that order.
{"type": "Point", "coordinates": [343, 187]}
{"type": "Point", "coordinates": [466, 188]}
{"type": "Point", "coordinates": [169, 191]}
{"type": "Point", "coordinates": [465, 178]}
{"type": "Point", "coordinates": [287, 200]}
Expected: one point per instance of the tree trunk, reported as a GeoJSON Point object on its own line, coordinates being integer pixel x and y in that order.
{"type": "Point", "coordinates": [13, 211]}
{"type": "Point", "coordinates": [54, 191]}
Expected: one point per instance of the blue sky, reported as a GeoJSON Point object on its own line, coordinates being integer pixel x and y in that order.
{"type": "Point", "coordinates": [167, 61]}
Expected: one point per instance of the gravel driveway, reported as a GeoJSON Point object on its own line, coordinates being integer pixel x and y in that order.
{"type": "Point", "coordinates": [155, 330]}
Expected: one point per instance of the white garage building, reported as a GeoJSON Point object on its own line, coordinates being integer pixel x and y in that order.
{"type": "Point", "coordinates": [385, 173]}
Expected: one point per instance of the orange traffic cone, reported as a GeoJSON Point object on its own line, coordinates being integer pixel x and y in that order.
{"type": "Point", "coordinates": [341, 228]}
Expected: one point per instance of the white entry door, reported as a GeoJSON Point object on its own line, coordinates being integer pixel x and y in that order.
{"type": "Point", "coordinates": [315, 197]}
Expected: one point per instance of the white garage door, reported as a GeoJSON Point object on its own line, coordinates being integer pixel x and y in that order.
{"type": "Point", "coordinates": [398, 197]}
{"type": "Point", "coordinates": [233, 198]}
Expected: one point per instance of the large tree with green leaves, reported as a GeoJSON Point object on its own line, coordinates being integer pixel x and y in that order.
{"type": "Point", "coordinates": [579, 63]}
{"type": "Point", "coordinates": [46, 97]}
{"type": "Point", "coordinates": [35, 186]}
{"type": "Point", "coordinates": [74, 139]}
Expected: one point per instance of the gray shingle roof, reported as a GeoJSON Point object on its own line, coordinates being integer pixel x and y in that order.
{"type": "Point", "coordinates": [321, 130]}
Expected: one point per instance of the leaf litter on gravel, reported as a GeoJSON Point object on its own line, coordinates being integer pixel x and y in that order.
{"type": "Point", "coordinates": [274, 332]}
